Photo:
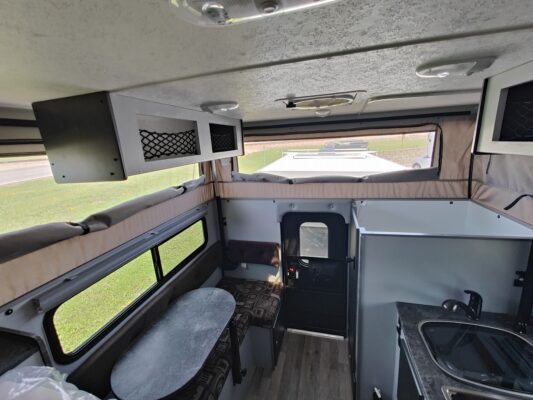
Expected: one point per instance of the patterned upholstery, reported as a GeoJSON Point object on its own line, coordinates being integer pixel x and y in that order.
{"type": "Point", "coordinates": [257, 304]}
{"type": "Point", "coordinates": [208, 384]}
{"type": "Point", "coordinates": [259, 299]}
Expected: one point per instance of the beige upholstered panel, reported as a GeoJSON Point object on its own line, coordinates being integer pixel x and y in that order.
{"type": "Point", "coordinates": [500, 179]}
{"type": "Point", "coordinates": [343, 134]}
{"type": "Point", "coordinates": [400, 190]}
{"type": "Point", "coordinates": [20, 275]}
{"type": "Point", "coordinates": [452, 183]}
{"type": "Point", "coordinates": [497, 198]}
{"type": "Point", "coordinates": [458, 135]}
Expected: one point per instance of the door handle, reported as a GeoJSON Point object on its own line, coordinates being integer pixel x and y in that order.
{"type": "Point", "coordinates": [304, 262]}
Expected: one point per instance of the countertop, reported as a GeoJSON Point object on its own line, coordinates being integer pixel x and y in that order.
{"type": "Point", "coordinates": [430, 376]}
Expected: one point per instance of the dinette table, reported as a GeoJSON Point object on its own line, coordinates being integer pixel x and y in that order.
{"type": "Point", "coordinates": [171, 352]}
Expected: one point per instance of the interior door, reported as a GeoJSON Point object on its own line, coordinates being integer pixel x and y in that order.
{"type": "Point", "coordinates": [315, 271]}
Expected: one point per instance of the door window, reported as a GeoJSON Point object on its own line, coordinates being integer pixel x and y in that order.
{"type": "Point", "coordinates": [314, 240]}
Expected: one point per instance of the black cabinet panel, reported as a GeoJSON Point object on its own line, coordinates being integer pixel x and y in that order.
{"type": "Point", "coordinates": [407, 387]}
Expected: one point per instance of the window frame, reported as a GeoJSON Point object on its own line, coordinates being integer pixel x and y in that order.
{"type": "Point", "coordinates": [48, 321]}
{"type": "Point", "coordinates": [436, 129]}
{"type": "Point", "coordinates": [178, 267]}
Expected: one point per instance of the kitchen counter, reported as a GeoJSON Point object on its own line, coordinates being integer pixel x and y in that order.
{"type": "Point", "coordinates": [430, 377]}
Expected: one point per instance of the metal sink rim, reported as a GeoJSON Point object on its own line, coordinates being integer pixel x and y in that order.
{"type": "Point", "coordinates": [449, 391]}
{"type": "Point", "coordinates": [513, 394]}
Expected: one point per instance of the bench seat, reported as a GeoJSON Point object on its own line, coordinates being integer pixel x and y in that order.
{"type": "Point", "coordinates": [258, 299]}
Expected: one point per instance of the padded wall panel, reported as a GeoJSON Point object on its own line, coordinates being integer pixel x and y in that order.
{"type": "Point", "coordinates": [23, 274]}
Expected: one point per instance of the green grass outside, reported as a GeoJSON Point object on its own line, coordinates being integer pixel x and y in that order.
{"type": "Point", "coordinates": [253, 162]}
{"type": "Point", "coordinates": [83, 315]}
{"type": "Point", "coordinates": [397, 144]}
{"type": "Point", "coordinates": [177, 249]}
{"type": "Point", "coordinates": [42, 200]}
{"type": "Point", "coordinates": [78, 319]}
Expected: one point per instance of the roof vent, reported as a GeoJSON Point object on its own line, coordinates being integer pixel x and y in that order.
{"type": "Point", "coordinates": [319, 102]}
{"type": "Point", "coordinates": [230, 12]}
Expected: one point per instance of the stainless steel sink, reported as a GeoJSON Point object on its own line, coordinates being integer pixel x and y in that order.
{"type": "Point", "coordinates": [451, 393]}
{"type": "Point", "coordinates": [491, 358]}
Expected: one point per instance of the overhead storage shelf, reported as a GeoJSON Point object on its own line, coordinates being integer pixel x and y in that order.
{"type": "Point", "coordinates": [106, 136]}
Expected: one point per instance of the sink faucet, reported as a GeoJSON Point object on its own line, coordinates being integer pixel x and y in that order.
{"type": "Point", "coordinates": [472, 310]}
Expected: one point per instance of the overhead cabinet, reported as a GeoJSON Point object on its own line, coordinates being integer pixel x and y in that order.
{"type": "Point", "coordinates": [106, 136]}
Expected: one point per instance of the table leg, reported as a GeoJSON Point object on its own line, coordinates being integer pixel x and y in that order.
{"type": "Point", "coordinates": [235, 354]}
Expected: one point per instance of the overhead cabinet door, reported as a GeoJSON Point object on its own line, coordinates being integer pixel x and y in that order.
{"type": "Point", "coordinates": [105, 136]}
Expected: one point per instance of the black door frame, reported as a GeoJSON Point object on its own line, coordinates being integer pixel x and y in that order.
{"type": "Point", "coordinates": [338, 231]}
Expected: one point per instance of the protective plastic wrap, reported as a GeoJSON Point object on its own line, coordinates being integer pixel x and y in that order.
{"type": "Point", "coordinates": [39, 383]}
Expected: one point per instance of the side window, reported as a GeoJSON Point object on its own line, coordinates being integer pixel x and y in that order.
{"type": "Point", "coordinates": [180, 247]}
{"type": "Point", "coordinates": [81, 317]}
{"type": "Point", "coordinates": [314, 240]}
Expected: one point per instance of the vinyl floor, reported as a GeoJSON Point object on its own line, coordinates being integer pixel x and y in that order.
{"type": "Point", "coordinates": [309, 367]}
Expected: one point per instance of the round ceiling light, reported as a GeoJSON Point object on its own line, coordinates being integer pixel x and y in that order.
{"type": "Point", "coordinates": [269, 6]}
{"type": "Point", "coordinates": [454, 68]}
{"type": "Point", "coordinates": [222, 107]}
{"type": "Point", "coordinates": [323, 112]}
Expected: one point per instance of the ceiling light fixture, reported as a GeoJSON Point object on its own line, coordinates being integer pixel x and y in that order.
{"type": "Point", "coordinates": [323, 112]}
{"type": "Point", "coordinates": [221, 107]}
{"type": "Point", "coordinates": [454, 68]}
{"type": "Point", "coordinates": [231, 12]}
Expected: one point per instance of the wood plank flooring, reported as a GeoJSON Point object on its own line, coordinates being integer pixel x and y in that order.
{"type": "Point", "coordinates": [309, 368]}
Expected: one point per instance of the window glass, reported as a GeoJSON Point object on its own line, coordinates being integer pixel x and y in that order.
{"type": "Point", "coordinates": [82, 316]}
{"type": "Point", "coordinates": [355, 156]}
{"type": "Point", "coordinates": [31, 197]}
{"type": "Point", "coordinates": [314, 240]}
{"type": "Point", "coordinates": [175, 250]}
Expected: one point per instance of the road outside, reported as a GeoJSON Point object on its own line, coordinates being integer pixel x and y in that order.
{"type": "Point", "coordinates": [20, 171]}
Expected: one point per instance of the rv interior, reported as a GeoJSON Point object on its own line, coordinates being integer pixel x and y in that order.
{"type": "Point", "coordinates": [266, 199]}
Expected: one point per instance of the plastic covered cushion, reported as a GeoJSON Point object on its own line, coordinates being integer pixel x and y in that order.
{"type": "Point", "coordinates": [38, 383]}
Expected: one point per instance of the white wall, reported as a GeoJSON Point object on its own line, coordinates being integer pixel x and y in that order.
{"type": "Point", "coordinates": [437, 217]}
{"type": "Point", "coordinates": [425, 270]}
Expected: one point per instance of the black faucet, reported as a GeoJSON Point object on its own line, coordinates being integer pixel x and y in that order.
{"type": "Point", "coordinates": [525, 280]}
{"type": "Point", "coordinates": [472, 310]}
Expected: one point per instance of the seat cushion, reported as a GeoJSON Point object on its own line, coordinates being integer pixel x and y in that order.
{"type": "Point", "coordinates": [258, 299]}
{"type": "Point", "coordinates": [209, 382]}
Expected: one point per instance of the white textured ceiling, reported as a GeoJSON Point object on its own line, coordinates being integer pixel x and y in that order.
{"type": "Point", "coordinates": [56, 48]}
